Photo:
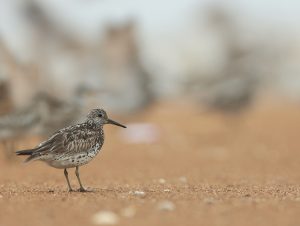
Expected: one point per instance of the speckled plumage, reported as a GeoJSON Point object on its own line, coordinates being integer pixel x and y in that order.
{"type": "Point", "coordinates": [73, 146]}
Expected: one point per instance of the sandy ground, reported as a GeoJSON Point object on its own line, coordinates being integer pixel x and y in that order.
{"type": "Point", "coordinates": [205, 169]}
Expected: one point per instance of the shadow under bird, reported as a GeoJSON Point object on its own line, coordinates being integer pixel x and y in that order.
{"type": "Point", "coordinates": [73, 146]}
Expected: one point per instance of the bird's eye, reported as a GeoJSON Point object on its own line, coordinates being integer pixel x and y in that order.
{"type": "Point", "coordinates": [100, 115]}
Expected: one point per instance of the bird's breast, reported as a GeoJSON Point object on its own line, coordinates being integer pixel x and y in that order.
{"type": "Point", "coordinates": [95, 150]}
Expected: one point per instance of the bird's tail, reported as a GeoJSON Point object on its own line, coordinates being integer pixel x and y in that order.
{"type": "Point", "coordinates": [24, 152]}
{"type": "Point", "coordinates": [27, 152]}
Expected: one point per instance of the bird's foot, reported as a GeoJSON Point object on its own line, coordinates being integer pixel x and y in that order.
{"type": "Point", "coordinates": [71, 190]}
{"type": "Point", "coordinates": [82, 189]}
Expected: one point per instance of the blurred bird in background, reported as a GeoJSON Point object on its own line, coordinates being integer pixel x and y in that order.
{"type": "Point", "coordinates": [42, 117]}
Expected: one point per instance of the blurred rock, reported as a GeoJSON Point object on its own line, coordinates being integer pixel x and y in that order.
{"type": "Point", "coordinates": [138, 193]}
{"type": "Point", "coordinates": [124, 85]}
{"type": "Point", "coordinates": [166, 206]}
{"type": "Point", "coordinates": [234, 85]}
{"type": "Point", "coordinates": [105, 218]}
{"type": "Point", "coordinates": [182, 179]}
{"type": "Point", "coordinates": [161, 180]}
{"type": "Point", "coordinates": [43, 116]}
{"type": "Point", "coordinates": [5, 100]}
{"type": "Point", "coordinates": [209, 200]}
{"type": "Point", "coordinates": [230, 94]}
{"type": "Point", "coordinates": [128, 212]}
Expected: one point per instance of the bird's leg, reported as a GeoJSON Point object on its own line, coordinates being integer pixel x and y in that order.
{"type": "Point", "coordinates": [67, 178]}
{"type": "Point", "coordinates": [82, 189]}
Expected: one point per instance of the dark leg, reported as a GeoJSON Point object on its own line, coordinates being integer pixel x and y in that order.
{"type": "Point", "coordinates": [77, 175]}
{"type": "Point", "coordinates": [67, 178]}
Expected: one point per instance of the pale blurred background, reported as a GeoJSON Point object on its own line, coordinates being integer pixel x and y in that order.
{"type": "Point", "coordinates": [58, 59]}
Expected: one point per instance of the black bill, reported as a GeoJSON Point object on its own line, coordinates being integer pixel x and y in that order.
{"type": "Point", "coordinates": [109, 121]}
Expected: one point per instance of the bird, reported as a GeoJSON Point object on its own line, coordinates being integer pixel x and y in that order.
{"type": "Point", "coordinates": [73, 146]}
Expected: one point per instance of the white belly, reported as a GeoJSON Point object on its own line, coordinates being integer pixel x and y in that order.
{"type": "Point", "coordinates": [69, 161]}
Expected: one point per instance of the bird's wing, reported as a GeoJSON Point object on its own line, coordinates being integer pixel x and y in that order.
{"type": "Point", "coordinates": [81, 141]}
{"type": "Point", "coordinates": [65, 141]}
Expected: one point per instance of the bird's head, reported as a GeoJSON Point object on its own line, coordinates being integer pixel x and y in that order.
{"type": "Point", "coordinates": [99, 116]}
